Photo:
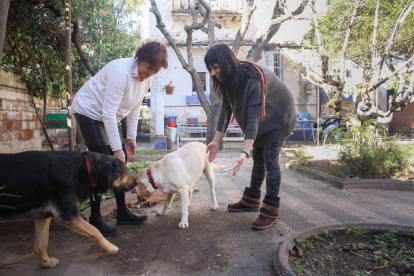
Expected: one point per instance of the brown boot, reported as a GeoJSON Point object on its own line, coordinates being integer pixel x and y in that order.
{"type": "Point", "coordinates": [268, 216]}
{"type": "Point", "coordinates": [248, 203]}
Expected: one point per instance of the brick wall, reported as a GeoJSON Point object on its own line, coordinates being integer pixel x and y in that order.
{"type": "Point", "coordinates": [403, 121]}
{"type": "Point", "coordinates": [20, 129]}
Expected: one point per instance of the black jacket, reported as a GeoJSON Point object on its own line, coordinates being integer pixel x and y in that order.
{"type": "Point", "coordinates": [280, 114]}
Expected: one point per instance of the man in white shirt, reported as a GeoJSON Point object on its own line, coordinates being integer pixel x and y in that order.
{"type": "Point", "coordinates": [114, 93]}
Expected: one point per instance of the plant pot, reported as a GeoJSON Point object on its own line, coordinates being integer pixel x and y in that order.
{"type": "Point", "coordinates": [169, 90]}
{"type": "Point", "coordinates": [281, 265]}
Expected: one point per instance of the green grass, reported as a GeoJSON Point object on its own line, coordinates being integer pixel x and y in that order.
{"type": "Point", "coordinates": [146, 153]}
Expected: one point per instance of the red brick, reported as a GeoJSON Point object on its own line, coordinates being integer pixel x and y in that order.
{"type": "Point", "coordinates": [403, 120]}
{"type": "Point", "coordinates": [35, 117]}
{"type": "Point", "coordinates": [1, 103]}
{"type": "Point", "coordinates": [3, 115]}
{"type": "Point", "coordinates": [8, 126]}
{"type": "Point", "coordinates": [25, 135]}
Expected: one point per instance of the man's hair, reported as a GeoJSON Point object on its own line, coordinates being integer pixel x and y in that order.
{"type": "Point", "coordinates": [153, 52]}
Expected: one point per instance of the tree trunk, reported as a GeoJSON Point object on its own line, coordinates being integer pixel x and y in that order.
{"type": "Point", "coordinates": [4, 10]}
{"type": "Point", "coordinates": [68, 77]}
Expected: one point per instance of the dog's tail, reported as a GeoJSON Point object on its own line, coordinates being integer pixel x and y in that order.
{"type": "Point", "coordinates": [217, 167]}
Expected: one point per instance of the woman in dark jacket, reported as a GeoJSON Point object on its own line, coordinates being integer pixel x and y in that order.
{"type": "Point", "coordinates": [264, 109]}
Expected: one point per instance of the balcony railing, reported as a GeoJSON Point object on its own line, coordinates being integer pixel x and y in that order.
{"type": "Point", "coordinates": [216, 5]}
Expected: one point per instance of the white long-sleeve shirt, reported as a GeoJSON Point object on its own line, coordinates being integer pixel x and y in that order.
{"type": "Point", "coordinates": [114, 93]}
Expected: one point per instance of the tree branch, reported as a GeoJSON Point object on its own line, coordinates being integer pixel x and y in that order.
{"type": "Point", "coordinates": [244, 25]}
{"type": "Point", "coordinates": [255, 53]}
{"type": "Point", "coordinates": [75, 41]}
{"type": "Point", "coordinates": [167, 35]}
{"type": "Point", "coordinates": [374, 35]}
{"type": "Point", "coordinates": [346, 40]}
{"type": "Point", "coordinates": [399, 68]}
{"type": "Point", "coordinates": [401, 19]}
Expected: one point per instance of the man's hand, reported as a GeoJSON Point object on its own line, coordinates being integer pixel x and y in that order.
{"type": "Point", "coordinates": [120, 155]}
{"type": "Point", "coordinates": [131, 148]}
{"type": "Point", "coordinates": [212, 150]}
{"type": "Point", "coordinates": [241, 160]}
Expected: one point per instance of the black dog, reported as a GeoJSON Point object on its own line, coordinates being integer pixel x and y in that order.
{"type": "Point", "coordinates": [54, 184]}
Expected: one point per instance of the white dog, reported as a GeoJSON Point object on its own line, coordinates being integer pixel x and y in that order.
{"type": "Point", "coordinates": [177, 172]}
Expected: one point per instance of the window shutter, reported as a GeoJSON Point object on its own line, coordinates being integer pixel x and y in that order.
{"type": "Point", "coordinates": [198, 61]}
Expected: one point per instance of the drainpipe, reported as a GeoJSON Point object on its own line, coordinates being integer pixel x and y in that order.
{"type": "Point", "coordinates": [317, 111]}
{"type": "Point", "coordinates": [160, 140]}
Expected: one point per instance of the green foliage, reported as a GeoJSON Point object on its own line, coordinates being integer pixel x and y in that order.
{"type": "Point", "coordinates": [334, 23]}
{"type": "Point", "coordinates": [339, 171]}
{"type": "Point", "coordinates": [131, 168]}
{"type": "Point", "coordinates": [121, 34]}
{"type": "Point", "coordinates": [146, 153]}
{"type": "Point", "coordinates": [3, 194]}
{"type": "Point", "coordinates": [354, 230]}
{"type": "Point", "coordinates": [303, 157]}
{"type": "Point", "coordinates": [85, 205]}
{"type": "Point", "coordinates": [143, 165]}
{"type": "Point", "coordinates": [34, 44]}
{"type": "Point", "coordinates": [364, 158]}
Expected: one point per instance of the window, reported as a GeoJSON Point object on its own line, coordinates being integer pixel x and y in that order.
{"type": "Point", "coordinates": [333, 74]}
{"type": "Point", "coordinates": [278, 62]}
{"type": "Point", "coordinates": [203, 77]}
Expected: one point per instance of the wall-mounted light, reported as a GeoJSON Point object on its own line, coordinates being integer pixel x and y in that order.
{"type": "Point", "coordinates": [308, 89]}
{"type": "Point", "coordinates": [359, 88]}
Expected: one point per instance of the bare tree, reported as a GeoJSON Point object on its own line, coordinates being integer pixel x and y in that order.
{"type": "Point", "coordinates": [4, 10]}
{"type": "Point", "coordinates": [374, 74]}
{"type": "Point", "coordinates": [279, 16]}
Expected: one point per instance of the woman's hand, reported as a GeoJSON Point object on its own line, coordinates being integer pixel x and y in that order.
{"type": "Point", "coordinates": [248, 143]}
{"type": "Point", "coordinates": [241, 160]}
{"type": "Point", "coordinates": [131, 148]}
{"type": "Point", "coordinates": [120, 155]}
{"type": "Point", "coordinates": [212, 150]}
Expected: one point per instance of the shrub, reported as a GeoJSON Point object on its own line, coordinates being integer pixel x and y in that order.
{"type": "Point", "coordinates": [366, 159]}
{"type": "Point", "coordinates": [303, 157]}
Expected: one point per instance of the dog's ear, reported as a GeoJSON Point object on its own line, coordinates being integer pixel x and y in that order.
{"type": "Point", "coordinates": [141, 190]}
{"type": "Point", "coordinates": [110, 169]}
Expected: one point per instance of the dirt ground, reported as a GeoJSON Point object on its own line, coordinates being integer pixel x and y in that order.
{"type": "Point", "coordinates": [216, 243]}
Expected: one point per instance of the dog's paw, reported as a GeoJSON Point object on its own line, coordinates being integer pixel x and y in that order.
{"type": "Point", "coordinates": [214, 207]}
{"type": "Point", "coordinates": [183, 224]}
{"type": "Point", "coordinates": [49, 263]}
{"type": "Point", "coordinates": [160, 213]}
{"type": "Point", "coordinates": [111, 249]}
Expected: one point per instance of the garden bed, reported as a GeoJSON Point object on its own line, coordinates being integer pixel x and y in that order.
{"type": "Point", "coordinates": [366, 249]}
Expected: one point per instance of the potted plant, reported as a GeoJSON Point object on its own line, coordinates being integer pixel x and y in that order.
{"type": "Point", "coordinates": [169, 88]}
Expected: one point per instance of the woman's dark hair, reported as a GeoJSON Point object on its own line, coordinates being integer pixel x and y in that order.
{"type": "Point", "coordinates": [153, 52]}
{"type": "Point", "coordinates": [232, 71]}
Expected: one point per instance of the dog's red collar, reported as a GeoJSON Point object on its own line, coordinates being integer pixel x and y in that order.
{"type": "Point", "coordinates": [151, 180]}
{"type": "Point", "coordinates": [89, 166]}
